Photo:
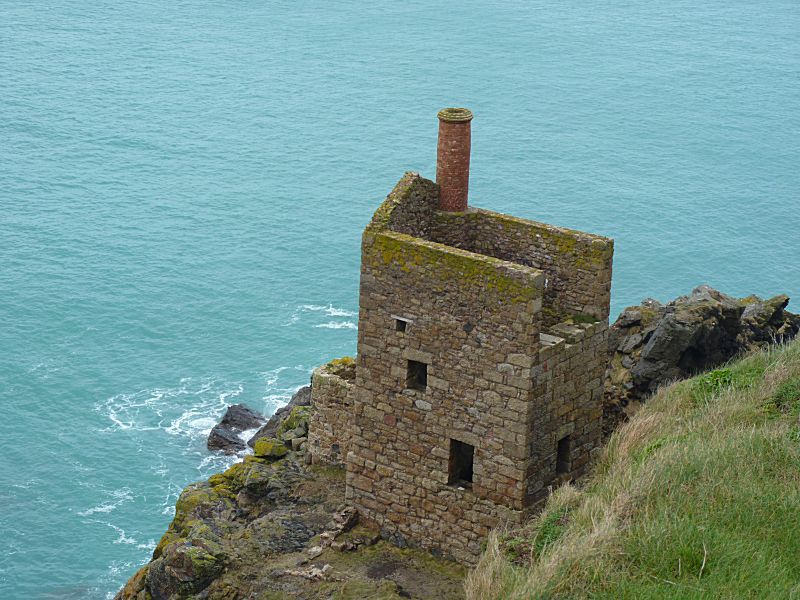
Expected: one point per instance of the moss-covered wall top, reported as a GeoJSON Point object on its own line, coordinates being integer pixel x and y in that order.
{"type": "Point", "coordinates": [455, 268]}
{"type": "Point", "coordinates": [576, 265]}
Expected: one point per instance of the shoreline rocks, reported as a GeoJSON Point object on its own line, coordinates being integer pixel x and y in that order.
{"type": "Point", "coordinates": [225, 434]}
{"type": "Point", "coordinates": [270, 429]}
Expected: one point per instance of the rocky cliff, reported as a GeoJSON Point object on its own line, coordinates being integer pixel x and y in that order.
{"type": "Point", "coordinates": [652, 344]}
{"type": "Point", "coordinates": [272, 527]}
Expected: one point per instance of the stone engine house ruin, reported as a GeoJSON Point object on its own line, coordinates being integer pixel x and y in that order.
{"type": "Point", "coordinates": [479, 374]}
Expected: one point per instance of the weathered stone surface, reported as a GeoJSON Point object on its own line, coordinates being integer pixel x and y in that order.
{"type": "Point", "coordinates": [653, 344]}
{"type": "Point", "coordinates": [225, 440]}
{"type": "Point", "coordinates": [225, 435]}
{"type": "Point", "coordinates": [241, 417]}
{"type": "Point", "coordinates": [330, 427]}
{"type": "Point", "coordinates": [182, 569]}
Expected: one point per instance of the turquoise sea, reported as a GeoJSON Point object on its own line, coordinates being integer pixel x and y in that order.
{"type": "Point", "coordinates": [183, 186]}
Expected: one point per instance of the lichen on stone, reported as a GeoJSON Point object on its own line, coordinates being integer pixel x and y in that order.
{"type": "Point", "coordinates": [298, 417]}
{"type": "Point", "coordinates": [344, 367]}
{"type": "Point", "coordinates": [270, 448]}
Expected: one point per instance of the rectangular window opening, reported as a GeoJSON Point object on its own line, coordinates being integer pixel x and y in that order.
{"type": "Point", "coordinates": [417, 375]}
{"type": "Point", "coordinates": [400, 325]}
{"type": "Point", "coordinates": [562, 456]}
{"type": "Point", "coordinates": [460, 466]}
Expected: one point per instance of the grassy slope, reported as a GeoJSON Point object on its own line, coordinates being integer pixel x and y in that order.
{"type": "Point", "coordinates": [698, 496]}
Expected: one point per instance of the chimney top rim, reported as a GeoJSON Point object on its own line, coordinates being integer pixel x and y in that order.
{"type": "Point", "coordinates": [455, 115]}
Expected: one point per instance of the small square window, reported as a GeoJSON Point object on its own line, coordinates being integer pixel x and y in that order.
{"type": "Point", "coordinates": [417, 378]}
{"type": "Point", "coordinates": [400, 325]}
{"type": "Point", "coordinates": [460, 465]}
{"type": "Point", "coordinates": [562, 456]}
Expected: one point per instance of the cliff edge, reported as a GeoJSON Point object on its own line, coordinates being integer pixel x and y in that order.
{"type": "Point", "coordinates": [272, 527]}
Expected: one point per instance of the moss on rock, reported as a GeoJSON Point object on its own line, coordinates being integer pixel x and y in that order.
{"type": "Point", "coordinates": [270, 448]}
{"type": "Point", "coordinates": [298, 417]}
{"type": "Point", "coordinates": [344, 367]}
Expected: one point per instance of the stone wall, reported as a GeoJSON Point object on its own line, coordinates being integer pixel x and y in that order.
{"type": "Point", "coordinates": [577, 265]}
{"type": "Point", "coordinates": [568, 399]}
{"type": "Point", "coordinates": [471, 320]}
{"type": "Point", "coordinates": [330, 426]}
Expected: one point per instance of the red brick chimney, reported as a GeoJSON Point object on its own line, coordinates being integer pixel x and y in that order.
{"type": "Point", "coordinates": [452, 159]}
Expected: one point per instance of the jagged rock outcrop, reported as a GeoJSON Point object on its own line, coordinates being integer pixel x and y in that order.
{"type": "Point", "coordinates": [225, 435]}
{"type": "Point", "coordinates": [301, 397]}
{"type": "Point", "coordinates": [653, 343]}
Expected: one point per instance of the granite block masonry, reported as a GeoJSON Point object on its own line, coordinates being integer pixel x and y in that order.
{"type": "Point", "coordinates": [479, 375]}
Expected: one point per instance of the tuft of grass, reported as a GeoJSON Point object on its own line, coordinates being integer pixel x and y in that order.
{"type": "Point", "coordinates": [520, 546]}
{"type": "Point", "coordinates": [697, 496]}
{"type": "Point", "coordinates": [787, 397]}
{"type": "Point", "coordinates": [714, 382]}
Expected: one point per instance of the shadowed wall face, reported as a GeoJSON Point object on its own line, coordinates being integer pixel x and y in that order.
{"type": "Point", "coordinates": [452, 158]}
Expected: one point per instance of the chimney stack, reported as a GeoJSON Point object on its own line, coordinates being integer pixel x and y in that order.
{"type": "Point", "coordinates": [452, 158]}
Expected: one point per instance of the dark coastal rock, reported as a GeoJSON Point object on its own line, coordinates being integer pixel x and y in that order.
{"type": "Point", "coordinates": [301, 397]}
{"type": "Point", "coordinates": [226, 440]}
{"type": "Point", "coordinates": [225, 435]}
{"type": "Point", "coordinates": [241, 417]}
{"type": "Point", "coordinates": [653, 343]}
{"type": "Point", "coordinates": [183, 569]}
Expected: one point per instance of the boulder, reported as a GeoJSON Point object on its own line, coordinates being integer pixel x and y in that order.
{"type": "Point", "coordinates": [241, 417]}
{"type": "Point", "coordinates": [182, 569]}
{"type": "Point", "coordinates": [226, 440]}
{"type": "Point", "coordinates": [268, 448]}
{"type": "Point", "coordinates": [225, 435]}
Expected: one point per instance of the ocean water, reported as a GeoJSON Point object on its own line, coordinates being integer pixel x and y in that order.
{"type": "Point", "coordinates": [183, 186]}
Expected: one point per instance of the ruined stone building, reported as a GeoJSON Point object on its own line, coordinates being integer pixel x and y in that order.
{"type": "Point", "coordinates": [479, 375]}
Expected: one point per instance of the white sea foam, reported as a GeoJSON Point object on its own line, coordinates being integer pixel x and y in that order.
{"type": "Point", "coordinates": [189, 410]}
{"type": "Point", "coordinates": [103, 508]}
{"type": "Point", "coordinates": [223, 396]}
{"type": "Point", "coordinates": [26, 484]}
{"type": "Point", "coordinates": [118, 497]}
{"type": "Point", "coordinates": [337, 325]}
{"type": "Point", "coordinates": [271, 377]}
{"type": "Point", "coordinates": [330, 311]}
{"type": "Point", "coordinates": [247, 434]}
{"type": "Point", "coordinates": [122, 539]}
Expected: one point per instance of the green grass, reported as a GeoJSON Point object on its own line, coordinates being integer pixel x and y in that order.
{"type": "Point", "coordinates": [698, 496]}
